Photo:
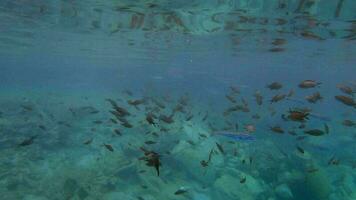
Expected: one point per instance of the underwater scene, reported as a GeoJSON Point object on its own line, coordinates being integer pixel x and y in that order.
{"type": "Point", "coordinates": [178, 100]}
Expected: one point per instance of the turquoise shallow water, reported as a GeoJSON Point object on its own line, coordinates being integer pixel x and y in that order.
{"type": "Point", "coordinates": [160, 100]}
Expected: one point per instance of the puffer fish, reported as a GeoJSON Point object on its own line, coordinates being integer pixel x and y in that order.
{"type": "Point", "coordinates": [237, 136]}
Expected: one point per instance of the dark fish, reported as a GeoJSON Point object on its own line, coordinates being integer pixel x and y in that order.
{"type": "Point", "coordinates": [314, 132]}
{"type": "Point", "coordinates": [277, 98]}
{"type": "Point", "coordinates": [290, 93]}
{"type": "Point", "coordinates": [221, 149]}
{"type": "Point", "coordinates": [189, 117]}
{"type": "Point", "coordinates": [231, 98]}
{"type": "Point", "coordinates": [205, 117]}
{"type": "Point", "coordinates": [244, 102]}
{"type": "Point", "coordinates": [348, 123]}
{"type": "Point", "coordinates": [308, 84]}
{"type": "Point", "coordinates": [333, 161]}
{"type": "Point", "coordinates": [243, 180]}
{"type": "Point", "coordinates": [326, 128]}
{"type": "Point", "coordinates": [27, 107]}
{"type": "Point", "coordinates": [235, 89]}
{"type": "Point", "coordinates": [346, 100]}
{"type": "Point", "coordinates": [279, 41]}
{"type": "Point", "coordinates": [152, 159]}
{"type": "Point", "coordinates": [150, 119]}
{"type": "Point", "coordinates": [314, 97]}
{"type": "Point", "coordinates": [97, 122]}
{"type": "Point", "coordinates": [346, 89]}
{"type": "Point", "coordinates": [88, 141]}
{"type": "Point", "coordinates": [128, 92]}
{"type": "Point", "coordinates": [276, 49]}
{"type": "Point", "coordinates": [312, 170]}
{"type": "Point", "coordinates": [28, 141]}
{"type": "Point", "coordinates": [277, 129]}
{"type": "Point", "coordinates": [184, 100]}
{"type": "Point", "coordinates": [109, 147]}
{"type": "Point", "coordinates": [274, 86]}
{"type": "Point", "coordinates": [258, 98]}
{"type": "Point", "coordinates": [118, 132]}
{"type": "Point", "coordinates": [256, 116]}
{"type": "Point", "coordinates": [158, 103]}
{"type": "Point", "coordinates": [299, 138]}
{"type": "Point", "coordinates": [113, 121]}
{"type": "Point", "coordinates": [299, 116]}
{"type": "Point", "coordinates": [292, 132]}
{"type": "Point", "coordinates": [300, 149]}
{"type": "Point", "coordinates": [181, 191]}
{"type": "Point", "coordinates": [149, 142]}
{"type": "Point", "coordinates": [166, 119]}
{"type": "Point", "coordinates": [127, 125]}
{"type": "Point", "coordinates": [136, 102]}
{"type": "Point", "coordinates": [42, 127]}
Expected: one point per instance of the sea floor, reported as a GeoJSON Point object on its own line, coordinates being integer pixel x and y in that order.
{"type": "Point", "coordinates": [69, 146]}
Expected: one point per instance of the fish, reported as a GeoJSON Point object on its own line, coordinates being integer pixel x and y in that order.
{"type": "Point", "coordinates": [320, 117]}
{"type": "Point", "coordinates": [314, 132]}
{"type": "Point", "coordinates": [128, 92]}
{"type": "Point", "coordinates": [152, 159]}
{"type": "Point", "coordinates": [221, 149]}
{"type": "Point", "coordinates": [346, 89]}
{"type": "Point", "coordinates": [277, 98]}
{"type": "Point", "coordinates": [236, 136]}
{"type": "Point", "coordinates": [230, 98]}
{"type": "Point", "coordinates": [333, 161]}
{"type": "Point", "coordinates": [180, 191]}
{"type": "Point", "coordinates": [117, 131]}
{"type": "Point", "coordinates": [109, 147]}
{"type": "Point", "coordinates": [166, 119]}
{"type": "Point", "coordinates": [189, 117]}
{"type": "Point", "coordinates": [150, 119]}
{"type": "Point", "coordinates": [235, 89]}
{"type": "Point", "coordinates": [312, 170]}
{"type": "Point", "coordinates": [97, 122]}
{"type": "Point", "coordinates": [308, 84]}
{"type": "Point", "coordinates": [299, 116]}
{"type": "Point", "coordinates": [136, 102]}
{"type": "Point", "coordinates": [279, 41]}
{"type": "Point", "coordinates": [301, 150]}
{"type": "Point", "coordinates": [42, 127]}
{"type": "Point", "coordinates": [346, 100]}
{"type": "Point", "coordinates": [205, 163]}
{"type": "Point", "coordinates": [89, 141]}
{"type": "Point", "coordinates": [277, 129]}
{"type": "Point", "coordinates": [28, 141]}
{"type": "Point", "coordinates": [205, 117]}
{"type": "Point", "coordinates": [274, 86]}
{"type": "Point", "coordinates": [250, 128]}
{"type": "Point", "coordinates": [243, 180]}
{"type": "Point", "coordinates": [258, 98]}
{"type": "Point", "coordinates": [326, 128]}
{"type": "Point", "coordinates": [315, 97]}
{"type": "Point", "coordinates": [290, 93]}
{"type": "Point", "coordinates": [348, 123]}
{"type": "Point", "coordinates": [113, 120]}
{"type": "Point", "coordinates": [149, 142]}
{"type": "Point", "coordinates": [127, 124]}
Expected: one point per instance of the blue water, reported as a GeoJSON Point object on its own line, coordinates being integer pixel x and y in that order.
{"type": "Point", "coordinates": [169, 67]}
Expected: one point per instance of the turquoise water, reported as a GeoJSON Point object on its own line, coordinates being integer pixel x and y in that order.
{"type": "Point", "coordinates": [160, 100]}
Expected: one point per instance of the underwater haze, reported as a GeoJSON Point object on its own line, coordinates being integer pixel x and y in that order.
{"type": "Point", "coordinates": [178, 99]}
